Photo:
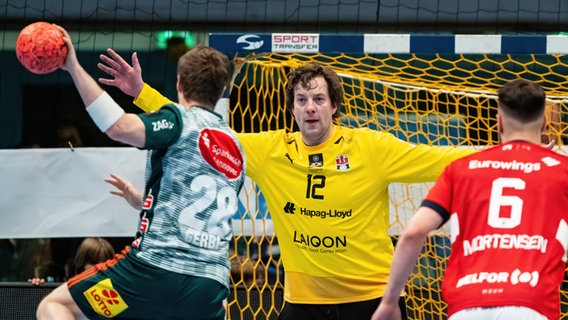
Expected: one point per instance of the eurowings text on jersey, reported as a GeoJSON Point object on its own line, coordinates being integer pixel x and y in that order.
{"type": "Point", "coordinates": [526, 167]}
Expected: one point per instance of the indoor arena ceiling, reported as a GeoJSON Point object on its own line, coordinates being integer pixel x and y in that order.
{"type": "Point", "coordinates": [297, 15]}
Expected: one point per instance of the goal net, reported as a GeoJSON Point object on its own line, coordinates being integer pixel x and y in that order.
{"type": "Point", "coordinates": [434, 96]}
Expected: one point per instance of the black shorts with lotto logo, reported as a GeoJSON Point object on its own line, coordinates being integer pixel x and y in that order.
{"type": "Point", "coordinates": [128, 288]}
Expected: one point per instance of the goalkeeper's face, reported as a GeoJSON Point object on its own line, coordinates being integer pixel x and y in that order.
{"type": "Point", "coordinates": [313, 111]}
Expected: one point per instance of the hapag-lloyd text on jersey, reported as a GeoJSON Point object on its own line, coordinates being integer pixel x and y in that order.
{"type": "Point", "coordinates": [331, 213]}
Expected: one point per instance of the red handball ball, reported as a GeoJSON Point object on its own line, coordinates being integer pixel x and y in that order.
{"type": "Point", "coordinates": [40, 48]}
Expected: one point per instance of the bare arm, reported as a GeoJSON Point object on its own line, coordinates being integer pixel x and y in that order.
{"type": "Point", "coordinates": [86, 85]}
{"type": "Point", "coordinates": [127, 128]}
{"type": "Point", "coordinates": [406, 254]}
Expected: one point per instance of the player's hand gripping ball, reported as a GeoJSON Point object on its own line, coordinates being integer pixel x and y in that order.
{"type": "Point", "coordinates": [40, 48]}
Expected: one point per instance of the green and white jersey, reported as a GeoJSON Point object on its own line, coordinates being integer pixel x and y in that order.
{"type": "Point", "coordinates": [195, 171]}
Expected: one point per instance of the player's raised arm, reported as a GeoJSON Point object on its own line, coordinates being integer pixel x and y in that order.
{"type": "Point", "coordinates": [109, 117]}
{"type": "Point", "coordinates": [406, 254]}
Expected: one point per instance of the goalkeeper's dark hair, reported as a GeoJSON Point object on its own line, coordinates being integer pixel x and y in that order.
{"type": "Point", "coordinates": [306, 73]}
{"type": "Point", "coordinates": [522, 100]}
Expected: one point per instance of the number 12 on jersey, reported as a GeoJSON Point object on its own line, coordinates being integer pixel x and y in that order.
{"type": "Point", "coordinates": [314, 183]}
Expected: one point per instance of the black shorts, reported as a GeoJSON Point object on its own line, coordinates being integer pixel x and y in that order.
{"type": "Point", "coordinates": [129, 288]}
{"type": "Point", "coordinates": [362, 310]}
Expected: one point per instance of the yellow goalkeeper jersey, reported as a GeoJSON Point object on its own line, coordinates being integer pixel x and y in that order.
{"type": "Point", "coordinates": [330, 204]}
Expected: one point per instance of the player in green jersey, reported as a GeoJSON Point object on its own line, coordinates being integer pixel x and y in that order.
{"type": "Point", "coordinates": [178, 265]}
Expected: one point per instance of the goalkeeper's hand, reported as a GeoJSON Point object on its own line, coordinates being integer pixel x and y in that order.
{"type": "Point", "coordinates": [127, 78]}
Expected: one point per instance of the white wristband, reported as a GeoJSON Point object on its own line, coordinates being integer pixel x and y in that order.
{"type": "Point", "coordinates": [104, 111]}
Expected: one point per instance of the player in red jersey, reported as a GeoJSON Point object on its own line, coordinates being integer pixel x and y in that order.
{"type": "Point", "coordinates": [507, 208]}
